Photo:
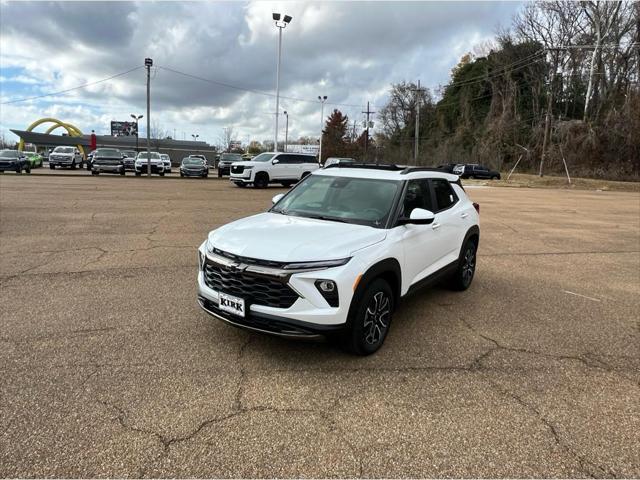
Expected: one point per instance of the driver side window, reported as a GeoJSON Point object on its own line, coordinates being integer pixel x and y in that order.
{"type": "Point", "coordinates": [417, 195]}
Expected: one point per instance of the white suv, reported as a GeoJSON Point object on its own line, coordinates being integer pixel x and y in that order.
{"type": "Point", "coordinates": [338, 251]}
{"type": "Point", "coordinates": [270, 167]}
{"type": "Point", "coordinates": [142, 162]}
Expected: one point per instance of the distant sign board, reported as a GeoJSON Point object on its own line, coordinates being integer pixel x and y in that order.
{"type": "Point", "coordinates": [235, 144]}
{"type": "Point", "coordinates": [123, 129]}
{"type": "Point", "coordinates": [309, 149]}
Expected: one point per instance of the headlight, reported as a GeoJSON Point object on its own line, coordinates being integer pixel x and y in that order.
{"type": "Point", "coordinates": [248, 167]}
{"type": "Point", "coordinates": [209, 246]}
{"type": "Point", "coordinates": [318, 265]}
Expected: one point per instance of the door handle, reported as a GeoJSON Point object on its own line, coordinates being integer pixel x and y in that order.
{"type": "Point", "coordinates": [435, 226]}
{"type": "Point", "coordinates": [464, 215]}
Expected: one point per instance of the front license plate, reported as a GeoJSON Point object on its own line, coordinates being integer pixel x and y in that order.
{"type": "Point", "coordinates": [231, 304]}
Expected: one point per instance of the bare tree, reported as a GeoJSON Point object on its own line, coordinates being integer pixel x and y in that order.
{"type": "Point", "coordinates": [226, 138]}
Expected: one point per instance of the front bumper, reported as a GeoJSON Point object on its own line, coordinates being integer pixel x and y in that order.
{"type": "Point", "coordinates": [154, 168]}
{"type": "Point", "coordinates": [309, 315]}
{"type": "Point", "coordinates": [107, 168]}
{"type": "Point", "coordinates": [8, 166]}
{"type": "Point", "coordinates": [60, 162]}
{"type": "Point", "coordinates": [193, 173]}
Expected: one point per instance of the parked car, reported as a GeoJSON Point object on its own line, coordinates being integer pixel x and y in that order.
{"type": "Point", "coordinates": [129, 160]}
{"type": "Point", "coordinates": [334, 160]}
{"type": "Point", "coordinates": [273, 167]}
{"type": "Point", "coordinates": [194, 167]}
{"type": "Point", "coordinates": [166, 160]}
{"type": "Point", "coordinates": [226, 159]}
{"type": "Point", "coordinates": [13, 160]}
{"type": "Point", "coordinates": [336, 254]}
{"type": "Point", "coordinates": [448, 167]}
{"type": "Point", "coordinates": [65, 157]}
{"type": "Point", "coordinates": [34, 158]}
{"type": "Point", "coordinates": [142, 161]}
{"type": "Point", "coordinates": [475, 170]}
{"type": "Point", "coordinates": [107, 160]}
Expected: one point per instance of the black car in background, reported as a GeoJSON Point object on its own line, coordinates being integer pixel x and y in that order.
{"type": "Point", "coordinates": [475, 170]}
{"type": "Point", "coordinates": [448, 167]}
{"type": "Point", "coordinates": [194, 167]}
{"type": "Point", "coordinates": [107, 160]}
{"type": "Point", "coordinates": [14, 161]}
{"type": "Point", "coordinates": [226, 159]}
{"type": "Point", "coordinates": [129, 159]}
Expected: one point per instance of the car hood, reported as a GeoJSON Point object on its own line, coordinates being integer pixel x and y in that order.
{"type": "Point", "coordinates": [60, 154]}
{"type": "Point", "coordinates": [284, 238]}
{"type": "Point", "coordinates": [155, 161]}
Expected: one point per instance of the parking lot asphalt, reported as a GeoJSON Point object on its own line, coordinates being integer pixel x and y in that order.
{"type": "Point", "coordinates": [108, 368]}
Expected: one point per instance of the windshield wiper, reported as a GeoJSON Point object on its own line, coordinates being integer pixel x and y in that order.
{"type": "Point", "coordinates": [331, 219]}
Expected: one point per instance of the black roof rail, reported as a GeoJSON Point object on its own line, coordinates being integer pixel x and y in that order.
{"type": "Point", "coordinates": [422, 169]}
{"type": "Point", "coordinates": [374, 166]}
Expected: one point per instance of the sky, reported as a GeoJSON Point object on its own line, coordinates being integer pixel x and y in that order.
{"type": "Point", "coordinates": [350, 51]}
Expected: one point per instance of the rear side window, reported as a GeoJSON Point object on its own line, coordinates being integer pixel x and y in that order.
{"type": "Point", "coordinates": [445, 196]}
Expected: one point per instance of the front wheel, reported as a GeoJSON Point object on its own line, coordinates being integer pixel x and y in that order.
{"type": "Point", "coordinates": [52, 167]}
{"type": "Point", "coordinates": [466, 268]}
{"type": "Point", "coordinates": [138, 174]}
{"type": "Point", "coordinates": [27, 169]}
{"type": "Point", "coordinates": [261, 181]}
{"type": "Point", "coordinates": [162, 174]}
{"type": "Point", "coordinates": [122, 172]}
{"type": "Point", "coordinates": [219, 174]}
{"type": "Point", "coordinates": [371, 320]}
{"type": "Point", "coordinates": [73, 165]}
{"type": "Point", "coordinates": [19, 170]}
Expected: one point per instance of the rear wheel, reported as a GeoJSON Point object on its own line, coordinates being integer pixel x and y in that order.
{"type": "Point", "coordinates": [466, 268]}
{"type": "Point", "coordinates": [371, 320]}
{"type": "Point", "coordinates": [261, 181]}
{"type": "Point", "coordinates": [27, 168]}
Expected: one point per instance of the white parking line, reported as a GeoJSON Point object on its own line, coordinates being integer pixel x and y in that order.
{"type": "Point", "coordinates": [583, 296]}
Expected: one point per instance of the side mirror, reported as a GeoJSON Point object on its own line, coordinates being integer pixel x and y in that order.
{"type": "Point", "coordinates": [275, 161]}
{"type": "Point", "coordinates": [419, 216]}
{"type": "Point", "coordinates": [277, 198]}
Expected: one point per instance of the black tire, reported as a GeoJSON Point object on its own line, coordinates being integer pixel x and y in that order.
{"type": "Point", "coordinates": [81, 165]}
{"type": "Point", "coordinates": [28, 168]}
{"type": "Point", "coordinates": [219, 174]}
{"type": "Point", "coordinates": [240, 184]}
{"type": "Point", "coordinates": [93, 172]}
{"type": "Point", "coordinates": [52, 167]}
{"type": "Point", "coordinates": [368, 330]}
{"type": "Point", "coordinates": [162, 174]}
{"type": "Point", "coordinates": [495, 178]}
{"type": "Point", "coordinates": [138, 174]}
{"type": "Point", "coordinates": [206, 175]}
{"type": "Point", "coordinates": [466, 268]}
{"type": "Point", "coordinates": [73, 165]}
{"type": "Point", "coordinates": [122, 172]}
{"type": "Point", "coordinates": [470, 177]}
{"type": "Point", "coordinates": [18, 170]}
{"type": "Point", "coordinates": [261, 180]}
{"type": "Point", "coordinates": [182, 174]}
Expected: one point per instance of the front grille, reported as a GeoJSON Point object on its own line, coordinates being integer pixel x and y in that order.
{"type": "Point", "coordinates": [253, 289]}
{"type": "Point", "coordinates": [237, 168]}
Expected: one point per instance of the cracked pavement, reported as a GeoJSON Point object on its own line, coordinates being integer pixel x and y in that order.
{"type": "Point", "coordinates": [109, 368]}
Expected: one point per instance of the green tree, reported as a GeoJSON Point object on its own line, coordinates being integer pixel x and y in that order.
{"type": "Point", "coordinates": [335, 138]}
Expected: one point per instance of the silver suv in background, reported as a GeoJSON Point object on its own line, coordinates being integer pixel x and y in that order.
{"type": "Point", "coordinates": [65, 157]}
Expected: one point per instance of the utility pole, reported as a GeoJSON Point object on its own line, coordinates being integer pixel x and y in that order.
{"type": "Point", "coordinates": [547, 125]}
{"type": "Point", "coordinates": [148, 62]}
{"type": "Point", "coordinates": [353, 134]}
{"type": "Point", "coordinates": [286, 131]}
{"type": "Point", "coordinates": [322, 100]}
{"type": "Point", "coordinates": [366, 139]}
{"type": "Point", "coordinates": [415, 152]}
{"type": "Point", "coordinates": [280, 24]}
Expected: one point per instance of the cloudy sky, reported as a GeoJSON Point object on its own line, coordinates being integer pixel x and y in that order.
{"type": "Point", "coordinates": [349, 51]}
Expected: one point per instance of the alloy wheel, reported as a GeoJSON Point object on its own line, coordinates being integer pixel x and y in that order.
{"type": "Point", "coordinates": [376, 318]}
{"type": "Point", "coordinates": [468, 264]}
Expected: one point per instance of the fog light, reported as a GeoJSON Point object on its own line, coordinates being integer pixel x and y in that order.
{"type": "Point", "coordinates": [329, 291]}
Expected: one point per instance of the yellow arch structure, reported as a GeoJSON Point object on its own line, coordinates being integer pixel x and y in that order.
{"type": "Point", "coordinates": [72, 130]}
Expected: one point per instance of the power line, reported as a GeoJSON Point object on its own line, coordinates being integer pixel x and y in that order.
{"type": "Point", "coordinates": [24, 99]}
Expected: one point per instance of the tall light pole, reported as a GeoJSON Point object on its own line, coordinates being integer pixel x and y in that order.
{"type": "Point", "coordinates": [286, 131]}
{"type": "Point", "coordinates": [148, 63]}
{"type": "Point", "coordinates": [136, 118]}
{"type": "Point", "coordinates": [322, 100]}
{"type": "Point", "coordinates": [195, 137]}
{"type": "Point", "coordinates": [280, 25]}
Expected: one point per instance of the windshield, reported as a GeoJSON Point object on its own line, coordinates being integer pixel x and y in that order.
{"type": "Point", "coordinates": [129, 153]}
{"type": "Point", "coordinates": [263, 157]}
{"type": "Point", "coordinates": [9, 154]}
{"type": "Point", "coordinates": [164, 156]}
{"type": "Point", "coordinates": [363, 201]}
{"type": "Point", "coordinates": [108, 152]}
{"type": "Point", "coordinates": [231, 157]}
{"type": "Point", "coordinates": [153, 155]}
{"type": "Point", "coordinates": [63, 150]}
{"type": "Point", "coordinates": [192, 161]}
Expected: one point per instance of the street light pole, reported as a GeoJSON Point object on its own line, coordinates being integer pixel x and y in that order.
{"type": "Point", "coordinates": [195, 137]}
{"type": "Point", "coordinates": [148, 62]}
{"type": "Point", "coordinates": [136, 118]}
{"type": "Point", "coordinates": [322, 100]}
{"type": "Point", "coordinates": [280, 25]}
{"type": "Point", "coordinates": [286, 131]}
